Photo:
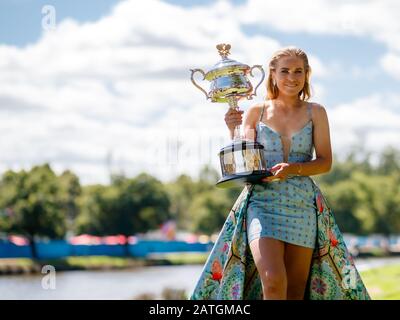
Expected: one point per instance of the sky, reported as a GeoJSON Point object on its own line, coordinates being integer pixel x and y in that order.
{"type": "Point", "coordinates": [101, 86]}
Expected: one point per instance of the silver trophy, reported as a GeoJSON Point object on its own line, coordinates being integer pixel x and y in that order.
{"type": "Point", "coordinates": [243, 160]}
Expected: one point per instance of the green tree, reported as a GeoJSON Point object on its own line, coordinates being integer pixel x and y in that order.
{"type": "Point", "coordinates": [70, 190]}
{"type": "Point", "coordinates": [389, 162]}
{"type": "Point", "coordinates": [344, 200]}
{"type": "Point", "coordinates": [34, 201]}
{"type": "Point", "coordinates": [379, 203]}
{"type": "Point", "coordinates": [209, 211]}
{"type": "Point", "coordinates": [208, 176]}
{"type": "Point", "coordinates": [148, 196]}
{"type": "Point", "coordinates": [94, 208]}
{"type": "Point", "coordinates": [181, 193]}
{"type": "Point", "coordinates": [342, 170]}
{"type": "Point", "coordinates": [126, 207]}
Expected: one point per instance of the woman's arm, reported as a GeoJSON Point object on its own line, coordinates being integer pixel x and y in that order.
{"type": "Point", "coordinates": [250, 122]}
{"type": "Point", "coordinates": [322, 144]}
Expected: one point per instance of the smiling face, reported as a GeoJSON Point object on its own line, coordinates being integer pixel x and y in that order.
{"type": "Point", "coordinates": [289, 75]}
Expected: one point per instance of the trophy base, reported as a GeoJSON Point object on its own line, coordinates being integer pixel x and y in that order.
{"type": "Point", "coordinates": [235, 180]}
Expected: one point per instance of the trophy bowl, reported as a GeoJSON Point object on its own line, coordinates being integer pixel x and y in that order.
{"type": "Point", "coordinates": [242, 161]}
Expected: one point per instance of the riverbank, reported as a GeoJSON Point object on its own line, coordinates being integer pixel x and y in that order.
{"type": "Point", "coordinates": [29, 266]}
{"type": "Point", "coordinates": [380, 275]}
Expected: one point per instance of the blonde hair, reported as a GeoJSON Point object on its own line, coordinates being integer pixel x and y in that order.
{"type": "Point", "coordinates": [272, 90]}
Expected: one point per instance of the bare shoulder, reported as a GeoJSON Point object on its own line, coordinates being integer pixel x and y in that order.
{"type": "Point", "coordinates": [254, 112]}
{"type": "Point", "coordinates": [256, 108]}
{"type": "Point", "coordinates": [318, 111]}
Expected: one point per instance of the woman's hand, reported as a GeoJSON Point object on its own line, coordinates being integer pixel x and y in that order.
{"type": "Point", "coordinates": [233, 118]}
{"type": "Point", "coordinates": [280, 172]}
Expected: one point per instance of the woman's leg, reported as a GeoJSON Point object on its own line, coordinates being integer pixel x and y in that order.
{"type": "Point", "coordinates": [297, 263]}
{"type": "Point", "coordinates": [268, 255]}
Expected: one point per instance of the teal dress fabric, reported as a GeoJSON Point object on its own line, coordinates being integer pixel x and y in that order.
{"type": "Point", "coordinates": [284, 210]}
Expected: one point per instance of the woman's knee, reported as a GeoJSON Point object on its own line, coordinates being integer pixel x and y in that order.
{"type": "Point", "coordinates": [274, 280]}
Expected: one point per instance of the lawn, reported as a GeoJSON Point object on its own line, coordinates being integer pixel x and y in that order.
{"type": "Point", "coordinates": [181, 257]}
{"type": "Point", "coordinates": [25, 265]}
{"type": "Point", "coordinates": [383, 283]}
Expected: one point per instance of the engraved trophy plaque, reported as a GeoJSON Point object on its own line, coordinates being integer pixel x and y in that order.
{"type": "Point", "coordinates": [243, 160]}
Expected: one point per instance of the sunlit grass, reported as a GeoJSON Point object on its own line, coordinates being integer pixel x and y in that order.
{"type": "Point", "coordinates": [105, 262]}
{"type": "Point", "coordinates": [23, 262]}
{"type": "Point", "coordinates": [183, 257]}
{"type": "Point", "coordinates": [383, 283]}
{"type": "Point", "coordinates": [99, 261]}
{"type": "Point", "coordinates": [72, 263]}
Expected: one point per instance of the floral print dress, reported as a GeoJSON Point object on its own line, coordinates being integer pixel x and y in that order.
{"type": "Point", "coordinates": [230, 273]}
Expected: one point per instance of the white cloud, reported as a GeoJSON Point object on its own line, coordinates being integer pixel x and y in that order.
{"type": "Point", "coordinates": [372, 122]}
{"type": "Point", "coordinates": [391, 63]}
{"type": "Point", "coordinates": [377, 20]}
{"type": "Point", "coordinates": [122, 85]}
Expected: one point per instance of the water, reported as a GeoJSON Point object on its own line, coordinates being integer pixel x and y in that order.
{"type": "Point", "coordinates": [121, 284]}
{"type": "Point", "coordinates": [98, 285]}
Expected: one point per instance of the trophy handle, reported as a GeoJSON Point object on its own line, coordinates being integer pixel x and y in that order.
{"type": "Point", "coordinates": [194, 82]}
{"type": "Point", "coordinates": [262, 79]}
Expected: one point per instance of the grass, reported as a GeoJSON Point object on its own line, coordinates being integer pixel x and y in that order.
{"type": "Point", "coordinates": [182, 257]}
{"type": "Point", "coordinates": [21, 262]}
{"type": "Point", "coordinates": [383, 283]}
{"type": "Point", "coordinates": [94, 262]}
{"type": "Point", "coordinates": [26, 265]}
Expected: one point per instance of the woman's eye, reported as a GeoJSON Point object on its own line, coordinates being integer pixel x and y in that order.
{"type": "Point", "coordinates": [286, 71]}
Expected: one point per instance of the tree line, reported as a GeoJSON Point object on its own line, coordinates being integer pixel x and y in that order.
{"type": "Point", "coordinates": [365, 198]}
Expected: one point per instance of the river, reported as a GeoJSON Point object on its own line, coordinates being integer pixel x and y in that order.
{"type": "Point", "coordinates": [120, 284]}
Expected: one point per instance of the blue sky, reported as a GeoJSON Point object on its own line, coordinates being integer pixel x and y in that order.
{"type": "Point", "coordinates": [114, 82]}
{"type": "Point", "coordinates": [20, 19]}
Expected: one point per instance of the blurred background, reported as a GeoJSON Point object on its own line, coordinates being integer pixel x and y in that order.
{"type": "Point", "coordinates": [109, 158]}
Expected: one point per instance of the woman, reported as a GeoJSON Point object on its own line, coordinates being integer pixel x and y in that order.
{"type": "Point", "coordinates": [280, 240]}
